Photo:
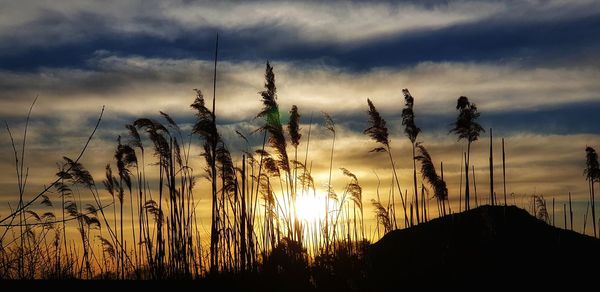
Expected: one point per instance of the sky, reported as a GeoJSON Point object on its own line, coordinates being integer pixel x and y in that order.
{"type": "Point", "coordinates": [532, 67]}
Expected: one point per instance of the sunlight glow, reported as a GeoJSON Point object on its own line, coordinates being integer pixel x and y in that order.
{"type": "Point", "coordinates": [311, 208]}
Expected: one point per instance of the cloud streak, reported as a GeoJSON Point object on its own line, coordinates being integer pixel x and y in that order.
{"type": "Point", "coordinates": [352, 33]}
{"type": "Point", "coordinates": [336, 21]}
{"type": "Point", "coordinates": [139, 86]}
{"type": "Point", "coordinates": [332, 21]}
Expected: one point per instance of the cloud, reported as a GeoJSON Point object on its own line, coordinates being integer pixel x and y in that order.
{"type": "Point", "coordinates": [39, 24]}
{"type": "Point", "coordinates": [337, 22]}
{"type": "Point", "coordinates": [354, 35]}
{"type": "Point", "coordinates": [34, 23]}
{"type": "Point", "coordinates": [135, 86]}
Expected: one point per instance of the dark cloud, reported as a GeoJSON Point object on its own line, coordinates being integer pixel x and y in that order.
{"type": "Point", "coordinates": [531, 38]}
{"type": "Point", "coordinates": [492, 40]}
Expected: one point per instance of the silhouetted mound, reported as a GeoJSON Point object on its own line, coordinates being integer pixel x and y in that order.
{"type": "Point", "coordinates": [486, 247]}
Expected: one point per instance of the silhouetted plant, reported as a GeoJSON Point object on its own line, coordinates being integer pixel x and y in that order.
{"type": "Point", "coordinates": [440, 191]}
{"type": "Point", "coordinates": [378, 131]}
{"type": "Point", "coordinates": [294, 131]}
{"type": "Point", "coordinates": [383, 216]}
{"type": "Point", "coordinates": [270, 113]}
{"type": "Point", "coordinates": [355, 191]}
{"type": "Point", "coordinates": [330, 126]}
{"type": "Point", "coordinates": [412, 132]}
{"type": "Point", "coordinates": [341, 270]}
{"type": "Point", "coordinates": [287, 264]}
{"type": "Point", "coordinates": [206, 128]}
{"type": "Point", "coordinates": [276, 140]}
{"type": "Point", "coordinates": [592, 174]}
{"type": "Point", "coordinates": [541, 211]}
{"type": "Point", "coordinates": [467, 128]}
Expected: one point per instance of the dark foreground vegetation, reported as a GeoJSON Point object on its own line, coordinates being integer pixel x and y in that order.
{"type": "Point", "coordinates": [489, 246]}
{"type": "Point", "coordinates": [505, 246]}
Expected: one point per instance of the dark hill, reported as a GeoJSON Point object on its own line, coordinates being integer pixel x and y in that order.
{"type": "Point", "coordinates": [492, 246]}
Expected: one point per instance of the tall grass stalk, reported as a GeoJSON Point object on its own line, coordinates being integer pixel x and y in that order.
{"type": "Point", "coordinates": [467, 128]}
{"type": "Point", "coordinates": [378, 131]}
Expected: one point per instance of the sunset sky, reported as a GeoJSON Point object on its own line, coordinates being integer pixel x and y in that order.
{"type": "Point", "coordinates": [532, 67]}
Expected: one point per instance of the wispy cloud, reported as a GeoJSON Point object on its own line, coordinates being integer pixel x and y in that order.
{"type": "Point", "coordinates": [136, 85]}
{"type": "Point", "coordinates": [37, 23]}
{"type": "Point", "coordinates": [40, 23]}
{"type": "Point", "coordinates": [337, 22]}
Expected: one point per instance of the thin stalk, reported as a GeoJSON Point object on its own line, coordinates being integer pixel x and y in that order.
{"type": "Point", "coordinates": [214, 239]}
{"type": "Point", "coordinates": [565, 214]}
{"type": "Point", "coordinates": [570, 211]}
{"type": "Point", "coordinates": [462, 164]}
{"type": "Point", "coordinates": [475, 186]}
{"type": "Point", "coordinates": [415, 183]}
{"type": "Point", "coordinates": [504, 171]}
{"type": "Point", "coordinates": [327, 199]}
{"type": "Point", "coordinates": [492, 194]}
{"type": "Point", "coordinates": [389, 151]}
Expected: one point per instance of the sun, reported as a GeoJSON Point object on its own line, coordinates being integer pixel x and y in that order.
{"type": "Point", "coordinates": [310, 208]}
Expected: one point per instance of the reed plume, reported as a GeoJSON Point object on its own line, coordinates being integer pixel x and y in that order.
{"type": "Point", "coordinates": [330, 126]}
{"type": "Point", "coordinates": [270, 113]}
{"type": "Point", "coordinates": [206, 128]}
{"type": "Point", "coordinates": [294, 131]}
{"type": "Point", "coordinates": [382, 215]}
{"type": "Point", "coordinates": [412, 131]}
{"type": "Point", "coordinates": [440, 191]}
{"type": "Point", "coordinates": [467, 128]}
{"type": "Point", "coordinates": [294, 126]}
{"type": "Point", "coordinates": [378, 131]}
{"type": "Point", "coordinates": [408, 117]}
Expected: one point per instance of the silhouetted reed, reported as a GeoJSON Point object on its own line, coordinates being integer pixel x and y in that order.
{"type": "Point", "coordinates": [412, 132]}
{"type": "Point", "coordinates": [467, 128]}
{"type": "Point", "coordinates": [378, 131]}
{"type": "Point", "coordinates": [592, 174]}
{"type": "Point", "coordinates": [440, 191]}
